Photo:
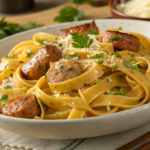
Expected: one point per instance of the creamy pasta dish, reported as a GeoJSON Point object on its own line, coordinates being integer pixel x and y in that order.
{"type": "Point", "coordinates": [81, 73]}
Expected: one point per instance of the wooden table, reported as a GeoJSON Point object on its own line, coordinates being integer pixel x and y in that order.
{"type": "Point", "coordinates": [47, 16]}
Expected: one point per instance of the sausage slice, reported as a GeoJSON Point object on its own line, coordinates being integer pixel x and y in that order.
{"type": "Point", "coordinates": [39, 63]}
{"type": "Point", "coordinates": [84, 29]}
{"type": "Point", "coordinates": [64, 70]}
{"type": "Point", "coordinates": [125, 42]}
{"type": "Point", "coordinates": [24, 106]}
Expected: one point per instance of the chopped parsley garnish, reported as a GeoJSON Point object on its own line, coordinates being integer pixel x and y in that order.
{"type": "Point", "coordinates": [81, 41]}
{"type": "Point", "coordinates": [120, 92]}
{"type": "Point", "coordinates": [43, 43]}
{"type": "Point", "coordinates": [11, 55]}
{"type": "Point", "coordinates": [6, 66]}
{"type": "Point", "coordinates": [56, 38]}
{"type": "Point", "coordinates": [60, 44]}
{"type": "Point", "coordinates": [114, 67]}
{"type": "Point", "coordinates": [71, 56]}
{"type": "Point", "coordinates": [132, 55]}
{"type": "Point", "coordinates": [100, 61]}
{"type": "Point", "coordinates": [70, 68]}
{"type": "Point", "coordinates": [29, 55]}
{"type": "Point", "coordinates": [143, 46]}
{"type": "Point", "coordinates": [94, 32]}
{"type": "Point", "coordinates": [38, 67]}
{"type": "Point", "coordinates": [115, 37]}
{"type": "Point", "coordinates": [21, 61]}
{"type": "Point", "coordinates": [132, 66]}
{"type": "Point", "coordinates": [117, 54]}
{"type": "Point", "coordinates": [3, 99]}
{"type": "Point", "coordinates": [97, 80]}
{"type": "Point", "coordinates": [4, 78]}
{"type": "Point", "coordinates": [119, 29]}
{"type": "Point", "coordinates": [45, 65]}
{"type": "Point", "coordinates": [30, 63]}
{"type": "Point", "coordinates": [108, 108]}
{"type": "Point", "coordinates": [11, 75]}
{"type": "Point", "coordinates": [45, 77]}
{"type": "Point", "coordinates": [7, 87]}
{"type": "Point", "coordinates": [109, 80]}
{"type": "Point", "coordinates": [69, 13]}
{"type": "Point", "coordinates": [52, 103]}
{"type": "Point", "coordinates": [97, 56]}
{"type": "Point", "coordinates": [44, 105]}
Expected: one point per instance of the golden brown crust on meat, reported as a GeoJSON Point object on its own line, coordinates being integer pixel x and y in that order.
{"type": "Point", "coordinates": [39, 63]}
{"type": "Point", "coordinates": [24, 106]}
{"type": "Point", "coordinates": [84, 29]}
{"type": "Point", "coordinates": [126, 42]}
{"type": "Point", "coordinates": [64, 70]}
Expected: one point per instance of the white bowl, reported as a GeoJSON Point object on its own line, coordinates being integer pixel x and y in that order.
{"type": "Point", "coordinates": [77, 128]}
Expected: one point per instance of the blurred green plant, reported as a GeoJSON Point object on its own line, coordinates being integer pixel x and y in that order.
{"type": "Point", "coordinates": [70, 13]}
{"type": "Point", "coordinates": [7, 29]}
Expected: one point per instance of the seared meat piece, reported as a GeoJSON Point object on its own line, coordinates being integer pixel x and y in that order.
{"type": "Point", "coordinates": [84, 29]}
{"type": "Point", "coordinates": [39, 63]}
{"type": "Point", "coordinates": [24, 106]}
{"type": "Point", "coordinates": [64, 70]}
{"type": "Point", "coordinates": [124, 42]}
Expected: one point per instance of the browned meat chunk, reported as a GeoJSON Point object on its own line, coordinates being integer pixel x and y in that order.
{"type": "Point", "coordinates": [122, 41]}
{"type": "Point", "coordinates": [84, 29]}
{"type": "Point", "coordinates": [24, 106]}
{"type": "Point", "coordinates": [39, 63]}
{"type": "Point", "coordinates": [64, 70]}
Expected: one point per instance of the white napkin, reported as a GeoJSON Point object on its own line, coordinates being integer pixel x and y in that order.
{"type": "Point", "coordinates": [11, 141]}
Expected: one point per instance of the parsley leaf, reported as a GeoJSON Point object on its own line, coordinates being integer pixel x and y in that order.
{"type": "Point", "coordinates": [132, 55]}
{"type": "Point", "coordinates": [71, 56]}
{"type": "Point", "coordinates": [3, 99]}
{"type": "Point", "coordinates": [29, 55]}
{"type": "Point", "coordinates": [117, 54]}
{"type": "Point", "coordinates": [7, 87]}
{"type": "Point", "coordinates": [81, 41]}
{"type": "Point", "coordinates": [119, 29]}
{"type": "Point", "coordinates": [115, 37]}
{"type": "Point", "coordinates": [114, 67]}
{"type": "Point", "coordinates": [43, 43]}
{"type": "Point", "coordinates": [69, 14]}
{"type": "Point", "coordinates": [94, 32]}
{"type": "Point", "coordinates": [128, 64]}
{"type": "Point", "coordinates": [78, 2]}
{"type": "Point", "coordinates": [45, 65]}
{"type": "Point", "coordinates": [97, 80]}
{"type": "Point", "coordinates": [7, 29]}
{"type": "Point", "coordinates": [120, 92]}
{"type": "Point", "coordinates": [70, 68]}
{"type": "Point", "coordinates": [11, 75]}
{"type": "Point", "coordinates": [108, 108]}
{"type": "Point", "coordinates": [133, 66]}
{"type": "Point", "coordinates": [97, 56]}
{"type": "Point", "coordinates": [143, 46]}
{"type": "Point", "coordinates": [100, 61]}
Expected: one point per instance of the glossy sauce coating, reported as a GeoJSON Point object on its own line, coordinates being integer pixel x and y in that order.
{"type": "Point", "coordinates": [39, 63]}
{"type": "Point", "coordinates": [24, 106]}
{"type": "Point", "coordinates": [84, 29]}
{"type": "Point", "coordinates": [126, 42]}
{"type": "Point", "coordinates": [64, 70]}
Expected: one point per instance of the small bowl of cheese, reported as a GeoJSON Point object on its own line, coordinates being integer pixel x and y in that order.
{"type": "Point", "coordinates": [130, 9]}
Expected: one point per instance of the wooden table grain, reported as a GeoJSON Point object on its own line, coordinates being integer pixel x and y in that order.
{"type": "Point", "coordinates": [47, 16]}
